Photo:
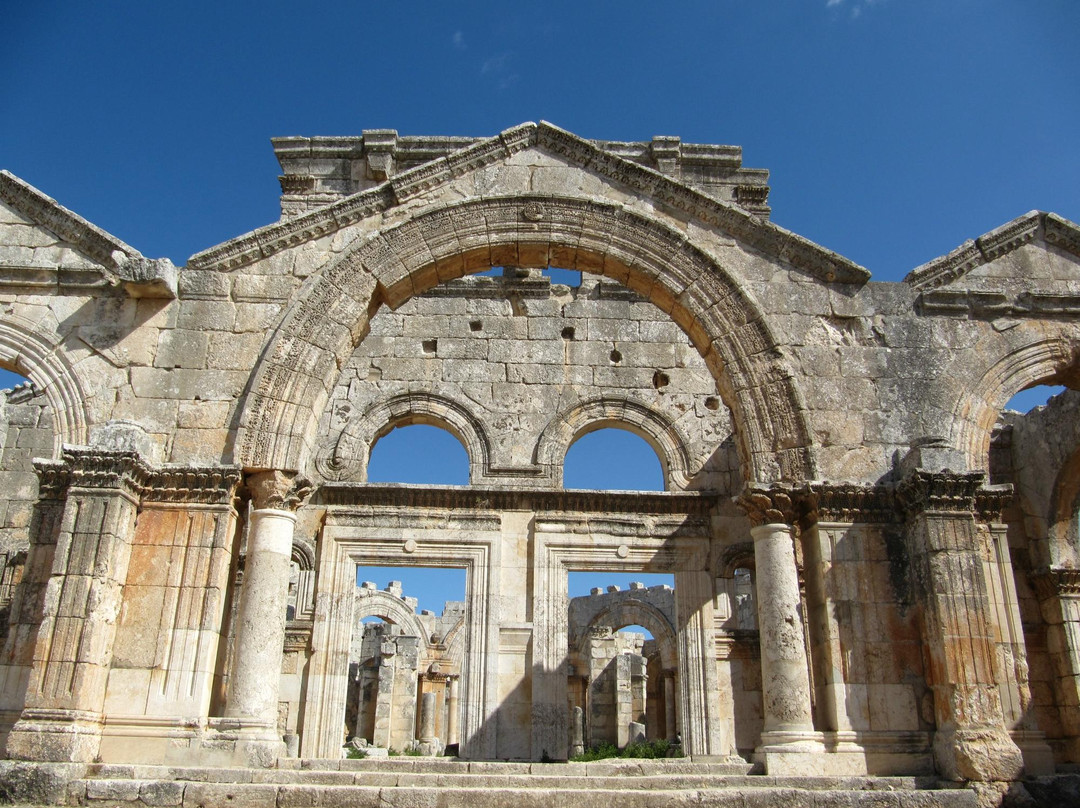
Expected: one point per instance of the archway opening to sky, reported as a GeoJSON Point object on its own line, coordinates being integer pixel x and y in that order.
{"type": "Point", "coordinates": [421, 454]}
{"type": "Point", "coordinates": [1032, 397]}
{"type": "Point", "coordinates": [612, 459]}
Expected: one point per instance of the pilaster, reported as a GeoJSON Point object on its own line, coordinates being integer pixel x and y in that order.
{"type": "Point", "coordinates": [63, 716]}
{"type": "Point", "coordinates": [1058, 590]}
{"type": "Point", "coordinates": [971, 741]}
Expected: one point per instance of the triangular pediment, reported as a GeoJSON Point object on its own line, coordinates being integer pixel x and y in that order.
{"type": "Point", "coordinates": [1027, 266]}
{"type": "Point", "coordinates": [666, 192]}
{"type": "Point", "coordinates": [105, 258]}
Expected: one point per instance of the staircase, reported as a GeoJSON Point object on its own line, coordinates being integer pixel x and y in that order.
{"type": "Point", "coordinates": [449, 783]}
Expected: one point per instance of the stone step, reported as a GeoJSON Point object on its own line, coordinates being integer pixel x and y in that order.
{"type": "Point", "coordinates": [158, 794]}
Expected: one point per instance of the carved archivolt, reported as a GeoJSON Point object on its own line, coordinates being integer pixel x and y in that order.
{"type": "Point", "coordinates": [345, 456]}
{"type": "Point", "coordinates": [392, 609]}
{"type": "Point", "coordinates": [41, 360]}
{"type": "Point", "coordinates": [977, 410]}
{"type": "Point", "coordinates": [654, 427]}
{"type": "Point", "coordinates": [291, 385]}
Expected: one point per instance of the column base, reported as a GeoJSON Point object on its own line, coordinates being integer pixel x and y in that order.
{"type": "Point", "coordinates": [1037, 754]}
{"type": "Point", "coordinates": [985, 754]}
{"type": "Point", "coordinates": [56, 736]}
{"type": "Point", "coordinates": [237, 742]}
{"type": "Point", "coordinates": [803, 753]}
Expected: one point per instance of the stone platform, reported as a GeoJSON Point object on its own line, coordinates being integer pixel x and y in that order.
{"type": "Point", "coordinates": [446, 783]}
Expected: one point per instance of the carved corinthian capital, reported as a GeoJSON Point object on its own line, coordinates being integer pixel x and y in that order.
{"type": "Point", "coordinates": [278, 490]}
{"type": "Point", "coordinates": [768, 506]}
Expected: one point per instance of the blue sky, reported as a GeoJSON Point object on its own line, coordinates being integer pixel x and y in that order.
{"type": "Point", "coordinates": [894, 129]}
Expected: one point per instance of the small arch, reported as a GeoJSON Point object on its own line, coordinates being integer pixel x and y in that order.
{"type": "Point", "coordinates": [654, 427]}
{"type": "Point", "coordinates": [631, 612]}
{"type": "Point", "coordinates": [418, 454]}
{"type": "Point", "coordinates": [41, 359]}
{"type": "Point", "coordinates": [346, 456]}
{"type": "Point", "coordinates": [388, 607]}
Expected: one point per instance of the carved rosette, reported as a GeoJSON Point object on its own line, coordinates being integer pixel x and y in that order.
{"type": "Point", "coordinates": [939, 491]}
{"type": "Point", "coordinates": [1057, 582]}
{"type": "Point", "coordinates": [278, 490]}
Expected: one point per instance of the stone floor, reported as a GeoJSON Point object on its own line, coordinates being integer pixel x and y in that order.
{"type": "Point", "coordinates": [446, 783]}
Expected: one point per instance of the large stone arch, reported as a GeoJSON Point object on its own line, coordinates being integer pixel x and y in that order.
{"type": "Point", "coordinates": [1042, 360]}
{"type": "Point", "coordinates": [392, 609]}
{"type": "Point", "coordinates": [348, 455]}
{"type": "Point", "coordinates": [41, 360]}
{"type": "Point", "coordinates": [588, 416]}
{"type": "Point", "coordinates": [291, 386]}
{"type": "Point", "coordinates": [632, 612]}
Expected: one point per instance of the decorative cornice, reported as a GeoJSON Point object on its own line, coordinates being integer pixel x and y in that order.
{"type": "Point", "coordinates": [474, 498]}
{"type": "Point", "coordinates": [824, 264]}
{"type": "Point", "coordinates": [278, 490]}
{"type": "Point", "coordinates": [298, 635]}
{"type": "Point", "coordinates": [849, 503]}
{"type": "Point", "coordinates": [939, 491]}
{"type": "Point", "coordinates": [94, 468]}
{"type": "Point", "coordinates": [998, 242]}
{"type": "Point", "coordinates": [1056, 582]}
{"type": "Point", "coordinates": [203, 485]}
{"type": "Point", "coordinates": [143, 277]}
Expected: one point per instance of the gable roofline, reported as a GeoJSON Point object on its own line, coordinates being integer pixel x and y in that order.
{"type": "Point", "coordinates": [1000, 241]}
{"type": "Point", "coordinates": [771, 239]}
{"type": "Point", "coordinates": [46, 212]}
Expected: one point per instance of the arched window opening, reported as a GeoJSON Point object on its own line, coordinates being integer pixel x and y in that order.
{"type": "Point", "coordinates": [1032, 397]}
{"type": "Point", "coordinates": [612, 459]}
{"type": "Point", "coordinates": [419, 453]}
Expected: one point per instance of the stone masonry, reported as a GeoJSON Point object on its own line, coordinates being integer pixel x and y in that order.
{"type": "Point", "coordinates": [877, 570]}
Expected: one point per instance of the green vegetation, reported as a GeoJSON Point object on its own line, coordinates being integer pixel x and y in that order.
{"type": "Point", "coordinates": [352, 753]}
{"type": "Point", "coordinates": [646, 749]}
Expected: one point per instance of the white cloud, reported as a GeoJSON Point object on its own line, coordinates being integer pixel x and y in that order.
{"type": "Point", "coordinates": [856, 6]}
{"type": "Point", "coordinates": [459, 40]}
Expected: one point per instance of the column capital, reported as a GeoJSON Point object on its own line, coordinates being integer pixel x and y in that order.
{"type": "Point", "coordinates": [1057, 582]}
{"type": "Point", "coordinates": [991, 500]}
{"type": "Point", "coordinates": [278, 490]}
{"type": "Point", "coordinates": [923, 491]}
{"type": "Point", "coordinates": [776, 505]}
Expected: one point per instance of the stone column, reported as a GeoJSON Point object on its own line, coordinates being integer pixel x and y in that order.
{"type": "Point", "coordinates": [1058, 590]}
{"type": "Point", "coordinates": [671, 728]}
{"type": "Point", "coordinates": [65, 697]}
{"type": "Point", "coordinates": [577, 729]}
{"type": "Point", "coordinates": [453, 712]}
{"type": "Point", "coordinates": [788, 734]}
{"type": "Point", "coordinates": [260, 633]}
{"type": "Point", "coordinates": [971, 742]}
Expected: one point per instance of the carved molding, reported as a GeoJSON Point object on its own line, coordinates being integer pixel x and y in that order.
{"type": "Point", "coordinates": [992, 500]}
{"type": "Point", "coordinates": [939, 491]}
{"type": "Point", "coordinates": [278, 490]}
{"type": "Point", "coordinates": [487, 499]}
{"type": "Point", "coordinates": [1059, 582]}
{"type": "Point", "coordinates": [94, 468]}
{"type": "Point", "coordinates": [850, 503]}
{"type": "Point", "coordinates": [204, 485]}
{"type": "Point", "coordinates": [52, 479]}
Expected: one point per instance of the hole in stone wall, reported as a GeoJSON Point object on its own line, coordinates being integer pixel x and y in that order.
{"type": "Point", "coordinates": [660, 380]}
{"type": "Point", "coordinates": [568, 332]}
{"type": "Point", "coordinates": [430, 346]}
{"type": "Point", "coordinates": [419, 453]}
{"type": "Point", "coordinates": [616, 356]}
{"type": "Point", "coordinates": [712, 403]}
{"type": "Point", "coordinates": [476, 325]}
{"type": "Point", "coordinates": [612, 459]}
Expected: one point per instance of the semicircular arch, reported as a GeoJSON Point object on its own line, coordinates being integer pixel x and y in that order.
{"type": "Point", "coordinates": [376, 603]}
{"type": "Point", "coordinates": [348, 454]}
{"type": "Point", "coordinates": [292, 385]}
{"type": "Point", "coordinates": [41, 360]}
{"type": "Point", "coordinates": [1042, 360]}
{"type": "Point", "coordinates": [653, 427]}
{"type": "Point", "coordinates": [632, 612]}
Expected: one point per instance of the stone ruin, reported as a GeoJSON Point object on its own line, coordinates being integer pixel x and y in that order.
{"type": "Point", "coordinates": [877, 570]}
